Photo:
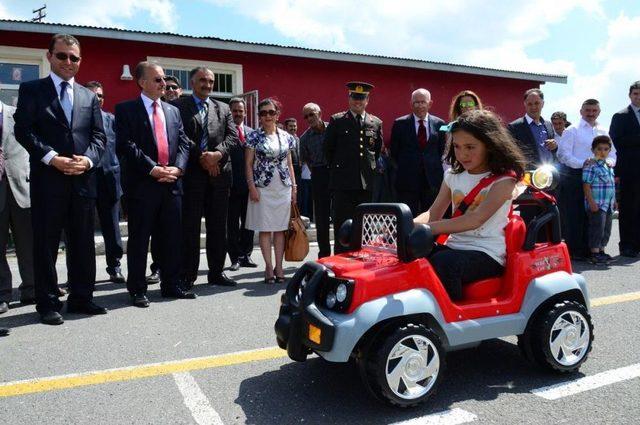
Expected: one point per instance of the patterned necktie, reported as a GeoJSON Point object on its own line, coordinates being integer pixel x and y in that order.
{"type": "Point", "coordinates": [241, 134]}
{"type": "Point", "coordinates": [65, 101]}
{"type": "Point", "coordinates": [204, 116]}
{"type": "Point", "coordinates": [422, 135]}
{"type": "Point", "coordinates": [161, 137]}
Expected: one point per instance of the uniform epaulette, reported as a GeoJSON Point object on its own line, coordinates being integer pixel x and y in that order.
{"type": "Point", "coordinates": [339, 114]}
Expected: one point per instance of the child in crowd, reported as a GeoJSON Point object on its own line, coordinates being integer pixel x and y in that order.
{"type": "Point", "coordinates": [600, 199]}
{"type": "Point", "coordinates": [480, 147]}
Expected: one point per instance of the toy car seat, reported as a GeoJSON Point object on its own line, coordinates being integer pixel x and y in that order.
{"type": "Point", "coordinates": [482, 290]}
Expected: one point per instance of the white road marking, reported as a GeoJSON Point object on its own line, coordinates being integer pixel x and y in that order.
{"type": "Point", "coordinates": [448, 417]}
{"type": "Point", "coordinates": [196, 401]}
{"type": "Point", "coordinates": [554, 392]}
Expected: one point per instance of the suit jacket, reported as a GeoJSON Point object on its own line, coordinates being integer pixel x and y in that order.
{"type": "Point", "coordinates": [223, 137]}
{"type": "Point", "coordinates": [625, 133]}
{"type": "Point", "coordinates": [238, 166]}
{"type": "Point", "coordinates": [521, 131]}
{"type": "Point", "coordinates": [16, 163]}
{"type": "Point", "coordinates": [109, 167]}
{"type": "Point", "coordinates": [352, 152]}
{"type": "Point", "coordinates": [136, 143]}
{"type": "Point", "coordinates": [41, 126]}
{"type": "Point", "coordinates": [410, 161]}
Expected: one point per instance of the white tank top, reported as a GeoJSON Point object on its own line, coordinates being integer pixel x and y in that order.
{"type": "Point", "coordinates": [488, 238]}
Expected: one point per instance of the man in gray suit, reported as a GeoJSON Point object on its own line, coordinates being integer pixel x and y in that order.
{"type": "Point", "coordinates": [15, 212]}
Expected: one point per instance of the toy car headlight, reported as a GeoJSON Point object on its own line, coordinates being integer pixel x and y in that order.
{"type": "Point", "coordinates": [543, 178]}
{"type": "Point", "coordinates": [331, 300]}
{"type": "Point", "coordinates": [341, 292]}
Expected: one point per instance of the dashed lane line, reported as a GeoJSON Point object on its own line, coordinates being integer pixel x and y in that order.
{"type": "Point", "coordinates": [37, 385]}
{"type": "Point", "coordinates": [448, 417]}
{"type": "Point", "coordinates": [195, 400]}
{"type": "Point", "coordinates": [587, 383]}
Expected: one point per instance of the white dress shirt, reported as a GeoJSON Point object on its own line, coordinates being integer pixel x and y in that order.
{"type": "Point", "coordinates": [417, 123]}
{"type": "Point", "coordinates": [636, 110]}
{"type": "Point", "coordinates": [68, 92]}
{"type": "Point", "coordinates": [574, 147]}
{"type": "Point", "coordinates": [148, 105]}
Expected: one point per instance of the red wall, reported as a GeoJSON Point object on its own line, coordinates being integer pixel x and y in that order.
{"type": "Point", "coordinates": [295, 81]}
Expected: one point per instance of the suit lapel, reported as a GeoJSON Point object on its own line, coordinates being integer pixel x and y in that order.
{"type": "Point", "coordinates": [54, 101]}
{"type": "Point", "coordinates": [213, 122]}
{"type": "Point", "coordinates": [143, 118]}
{"type": "Point", "coordinates": [168, 116]}
{"type": "Point", "coordinates": [77, 101]}
{"type": "Point", "coordinates": [433, 131]}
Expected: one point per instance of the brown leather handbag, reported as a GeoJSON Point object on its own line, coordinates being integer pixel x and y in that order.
{"type": "Point", "coordinates": [296, 242]}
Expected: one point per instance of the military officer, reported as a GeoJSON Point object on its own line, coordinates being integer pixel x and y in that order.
{"type": "Point", "coordinates": [352, 145]}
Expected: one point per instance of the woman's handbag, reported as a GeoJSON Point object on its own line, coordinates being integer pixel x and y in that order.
{"type": "Point", "coordinates": [296, 244]}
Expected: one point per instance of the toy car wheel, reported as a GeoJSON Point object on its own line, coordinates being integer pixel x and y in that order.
{"type": "Point", "coordinates": [405, 370]}
{"type": "Point", "coordinates": [560, 339]}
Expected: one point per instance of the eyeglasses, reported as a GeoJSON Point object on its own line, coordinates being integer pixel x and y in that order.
{"type": "Point", "coordinates": [469, 104]}
{"type": "Point", "coordinates": [63, 57]}
{"type": "Point", "coordinates": [100, 95]}
{"type": "Point", "coordinates": [309, 115]}
{"type": "Point", "coordinates": [158, 80]}
{"type": "Point", "coordinates": [270, 112]}
{"type": "Point", "coordinates": [171, 87]}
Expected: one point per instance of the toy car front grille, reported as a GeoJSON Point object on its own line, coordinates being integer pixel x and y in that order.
{"type": "Point", "coordinates": [380, 231]}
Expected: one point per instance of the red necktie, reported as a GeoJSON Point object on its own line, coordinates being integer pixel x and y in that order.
{"type": "Point", "coordinates": [422, 135]}
{"type": "Point", "coordinates": [161, 137]}
{"type": "Point", "coordinates": [241, 134]}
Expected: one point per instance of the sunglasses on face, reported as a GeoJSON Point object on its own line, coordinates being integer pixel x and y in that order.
{"type": "Point", "coordinates": [270, 112]}
{"type": "Point", "coordinates": [158, 80]}
{"type": "Point", "coordinates": [171, 87]}
{"type": "Point", "coordinates": [469, 104]}
{"type": "Point", "coordinates": [63, 57]}
{"type": "Point", "coordinates": [309, 115]}
{"type": "Point", "coordinates": [100, 95]}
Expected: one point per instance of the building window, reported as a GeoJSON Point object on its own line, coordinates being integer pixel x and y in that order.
{"type": "Point", "coordinates": [18, 65]}
{"type": "Point", "coordinates": [228, 77]}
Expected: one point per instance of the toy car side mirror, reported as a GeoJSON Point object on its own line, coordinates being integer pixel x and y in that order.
{"type": "Point", "coordinates": [420, 241]}
{"type": "Point", "coordinates": [344, 234]}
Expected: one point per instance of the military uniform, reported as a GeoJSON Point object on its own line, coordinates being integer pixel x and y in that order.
{"type": "Point", "coordinates": [352, 150]}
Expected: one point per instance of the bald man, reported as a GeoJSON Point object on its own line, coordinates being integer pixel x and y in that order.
{"type": "Point", "coordinates": [417, 146]}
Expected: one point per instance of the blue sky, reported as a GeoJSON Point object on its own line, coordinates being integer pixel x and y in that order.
{"type": "Point", "coordinates": [594, 42]}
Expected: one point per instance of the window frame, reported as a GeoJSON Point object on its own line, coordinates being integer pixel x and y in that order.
{"type": "Point", "coordinates": [217, 67]}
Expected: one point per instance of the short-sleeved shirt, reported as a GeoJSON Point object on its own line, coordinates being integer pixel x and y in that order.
{"type": "Point", "coordinates": [269, 159]}
{"type": "Point", "coordinates": [488, 238]}
{"type": "Point", "coordinates": [599, 176]}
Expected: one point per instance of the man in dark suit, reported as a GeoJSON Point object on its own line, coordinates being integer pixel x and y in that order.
{"type": "Point", "coordinates": [59, 123]}
{"type": "Point", "coordinates": [352, 143]}
{"type": "Point", "coordinates": [240, 239]}
{"type": "Point", "coordinates": [625, 133]}
{"type": "Point", "coordinates": [109, 192]}
{"type": "Point", "coordinates": [150, 137]}
{"type": "Point", "coordinates": [533, 134]}
{"type": "Point", "coordinates": [15, 212]}
{"type": "Point", "coordinates": [417, 146]}
{"type": "Point", "coordinates": [209, 125]}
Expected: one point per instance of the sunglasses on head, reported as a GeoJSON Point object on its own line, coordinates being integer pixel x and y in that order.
{"type": "Point", "coordinates": [270, 112]}
{"type": "Point", "coordinates": [171, 87]}
{"type": "Point", "coordinates": [469, 104]}
{"type": "Point", "coordinates": [63, 57]}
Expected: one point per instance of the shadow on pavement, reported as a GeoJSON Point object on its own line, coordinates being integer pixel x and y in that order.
{"type": "Point", "coordinates": [317, 391]}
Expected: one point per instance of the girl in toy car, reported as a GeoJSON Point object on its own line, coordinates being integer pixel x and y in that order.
{"type": "Point", "coordinates": [486, 164]}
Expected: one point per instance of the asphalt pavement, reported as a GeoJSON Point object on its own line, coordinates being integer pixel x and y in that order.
{"type": "Point", "coordinates": [213, 360]}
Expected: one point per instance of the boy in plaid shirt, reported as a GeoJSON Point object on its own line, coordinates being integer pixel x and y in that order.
{"type": "Point", "coordinates": [599, 190]}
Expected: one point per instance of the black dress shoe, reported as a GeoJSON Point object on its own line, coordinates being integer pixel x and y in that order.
{"type": "Point", "coordinates": [140, 300]}
{"type": "Point", "coordinates": [116, 277]}
{"type": "Point", "coordinates": [629, 253]}
{"type": "Point", "coordinates": [89, 308]}
{"type": "Point", "coordinates": [4, 331]}
{"type": "Point", "coordinates": [51, 318]}
{"type": "Point", "coordinates": [4, 307]}
{"type": "Point", "coordinates": [235, 266]}
{"type": "Point", "coordinates": [153, 278]}
{"type": "Point", "coordinates": [178, 293]}
{"type": "Point", "coordinates": [61, 292]}
{"type": "Point", "coordinates": [187, 285]}
{"type": "Point", "coordinates": [246, 262]}
{"type": "Point", "coordinates": [221, 280]}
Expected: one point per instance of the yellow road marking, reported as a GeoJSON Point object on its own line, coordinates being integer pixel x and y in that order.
{"type": "Point", "coordinates": [38, 385]}
{"type": "Point", "coordinates": [614, 299]}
